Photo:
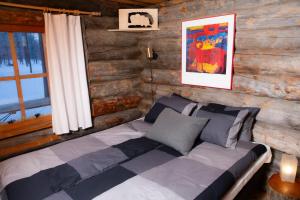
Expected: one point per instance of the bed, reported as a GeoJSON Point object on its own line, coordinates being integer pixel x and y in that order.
{"type": "Point", "coordinates": [120, 163]}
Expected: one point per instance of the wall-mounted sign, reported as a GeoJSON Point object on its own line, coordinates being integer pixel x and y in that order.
{"type": "Point", "coordinates": [207, 51]}
{"type": "Point", "coordinates": [138, 19]}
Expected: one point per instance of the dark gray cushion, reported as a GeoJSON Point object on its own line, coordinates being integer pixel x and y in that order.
{"type": "Point", "coordinates": [176, 130]}
{"type": "Point", "coordinates": [246, 130]}
{"type": "Point", "coordinates": [181, 105]}
{"type": "Point", "coordinates": [245, 133]}
{"type": "Point", "coordinates": [154, 112]}
{"type": "Point", "coordinates": [222, 128]}
{"type": "Point", "coordinates": [175, 102]}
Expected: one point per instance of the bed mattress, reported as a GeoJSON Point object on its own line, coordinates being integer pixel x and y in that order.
{"type": "Point", "coordinates": [120, 163]}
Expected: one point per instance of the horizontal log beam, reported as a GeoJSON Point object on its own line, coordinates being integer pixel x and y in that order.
{"type": "Point", "coordinates": [265, 42]}
{"type": "Point", "coordinates": [162, 45]}
{"type": "Point", "coordinates": [102, 107]}
{"type": "Point", "coordinates": [278, 137]}
{"type": "Point", "coordinates": [102, 22]}
{"type": "Point", "coordinates": [114, 70]}
{"type": "Point", "coordinates": [114, 88]}
{"type": "Point", "coordinates": [100, 38]}
{"type": "Point", "coordinates": [107, 67]}
{"type": "Point", "coordinates": [21, 18]}
{"type": "Point", "coordinates": [113, 53]}
{"type": "Point", "coordinates": [258, 10]}
{"type": "Point", "coordinates": [110, 120]}
{"type": "Point", "coordinates": [281, 86]}
{"type": "Point", "coordinates": [115, 77]}
{"type": "Point", "coordinates": [162, 76]}
{"type": "Point", "coordinates": [267, 64]}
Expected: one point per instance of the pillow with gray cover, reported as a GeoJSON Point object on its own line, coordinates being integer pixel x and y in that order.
{"type": "Point", "coordinates": [245, 133]}
{"type": "Point", "coordinates": [176, 130]}
{"type": "Point", "coordinates": [223, 127]}
{"type": "Point", "coordinates": [176, 102]}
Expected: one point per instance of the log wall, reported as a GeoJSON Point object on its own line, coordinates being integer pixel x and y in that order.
{"type": "Point", "coordinates": [114, 70]}
{"type": "Point", "coordinates": [266, 63]}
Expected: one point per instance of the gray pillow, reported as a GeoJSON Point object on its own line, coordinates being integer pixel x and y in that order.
{"type": "Point", "coordinates": [245, 133]}
{"type": "Point", "coordinates": [246, 130]}
{"type": "Point", "coordinates": [176, 130]}
{"type": "Point", "coordinates": [180, 104]}
{"type": "Point", "coordinates": [222, 129]}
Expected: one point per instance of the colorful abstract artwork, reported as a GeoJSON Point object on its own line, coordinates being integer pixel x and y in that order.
{"type": "Point", "coordinates": [206, 48]}
{"type": "Point", "coordinates": [208, 51]}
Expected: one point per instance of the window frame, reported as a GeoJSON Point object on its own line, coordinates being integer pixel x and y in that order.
{"type": "Point", "coordinates": [25, 125]}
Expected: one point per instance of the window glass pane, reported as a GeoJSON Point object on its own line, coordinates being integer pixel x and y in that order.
{"type": "Point", "coordinates": [36, 97]}
{"type": "Point", "coordinates": [34, 89]}
{"type": "Point", "coordinates": [30, 53]}
{"type": "Point", "coordinates": [9, 93]}
{"type": "Point", "coordinates": [9, 102]}
{"type": "Point", "coordinates": [38, 111]}
{"type": "Point", "coordinates": [6, 64]}
{"type": "Point", "coordinates": [10, 117]}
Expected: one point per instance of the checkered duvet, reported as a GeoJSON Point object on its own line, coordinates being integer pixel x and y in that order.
{"type": "Point", "coordinates": [120, 163]}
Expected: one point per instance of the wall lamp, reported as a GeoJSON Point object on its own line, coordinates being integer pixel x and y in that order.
{"type": "Point", "coordinates": [151, 54]}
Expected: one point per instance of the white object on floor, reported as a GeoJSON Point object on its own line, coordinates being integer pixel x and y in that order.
{"type": "Point", "coordinates": [288, 168]}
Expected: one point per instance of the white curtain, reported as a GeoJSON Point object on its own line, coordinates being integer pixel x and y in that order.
{"type": "Point", "coordinates": [67, 75]}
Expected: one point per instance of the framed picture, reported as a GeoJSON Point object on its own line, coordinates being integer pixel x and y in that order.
{"type": "Point", "coordinates": [207, 51]}
{"type": "Point", "coordinates": [138, 19]}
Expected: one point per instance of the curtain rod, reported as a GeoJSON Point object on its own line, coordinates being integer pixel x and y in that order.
{"type": "Point", "coordinates": [47, 9]}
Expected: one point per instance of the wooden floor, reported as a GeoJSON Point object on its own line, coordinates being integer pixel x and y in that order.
{"type": "Point", "coordinates": [259, 195]}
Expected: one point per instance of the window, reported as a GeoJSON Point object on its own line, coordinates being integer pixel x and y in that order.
{"type": "Point", "coordinates": [24, 93]}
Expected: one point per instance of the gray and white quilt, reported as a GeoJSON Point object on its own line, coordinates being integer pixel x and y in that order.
{"type": "Point", "coordinates": [119, 163]}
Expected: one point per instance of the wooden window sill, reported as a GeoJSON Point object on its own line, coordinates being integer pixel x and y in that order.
{"type": "Point", "coordinates": [34, 143]}
{"type": "Point", "coordinates": [25, 126]}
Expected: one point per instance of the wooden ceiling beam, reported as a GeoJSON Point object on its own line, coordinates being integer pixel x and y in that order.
{"type": "Point", "coordinates": [152, 1]}
{"type": "Point", "coordinates": [132, 2]}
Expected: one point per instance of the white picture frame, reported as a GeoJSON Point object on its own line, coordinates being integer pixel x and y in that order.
{"type": "Point", "coordinates": [205, 60]}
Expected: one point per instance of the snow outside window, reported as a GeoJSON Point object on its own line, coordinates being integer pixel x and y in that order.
{"type": "Point", "coordinates": [24, 90]}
